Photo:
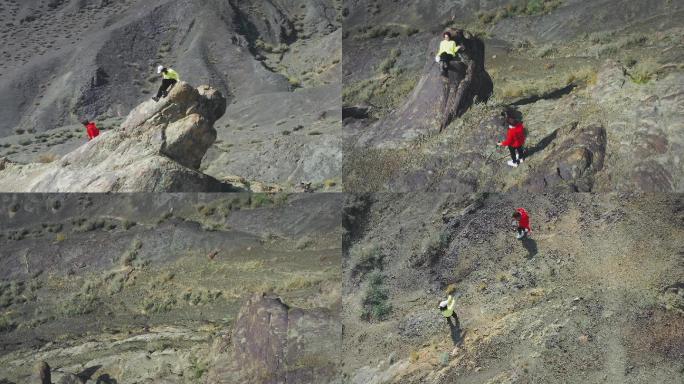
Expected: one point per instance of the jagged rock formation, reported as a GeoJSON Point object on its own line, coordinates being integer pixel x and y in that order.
{"type": "Point", "coordinates": [42, 373]}
{"type": "Point", "coordinates": [468, 81]}
{"type": "Point", "coordinates": [436, 100]}
{"type": "Point", "coordinates": [274, 343]}
{"type": "Point", "coordinates": [157, 149]}
{"type": "Point", "coordinates": [572, 163]}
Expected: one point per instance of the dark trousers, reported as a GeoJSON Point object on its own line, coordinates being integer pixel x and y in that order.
{"type": "Point", "coordinates": [520, 153]}
{"type": "Point", "coordinates": [521, 231]}
{"type": "Point", "coordinates": [455, 322]}
{"type": "Point", "coordinates": [444, 60]}
{"type": "Point", "coordinates": [164, 88]}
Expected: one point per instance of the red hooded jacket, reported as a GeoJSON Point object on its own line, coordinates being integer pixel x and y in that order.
{"type": "Point", "coordinates": [515, 137]}
{"type": "Point", "coordinates": [92, 130]}
{"type": "Point", "coordinates": [524, 221]}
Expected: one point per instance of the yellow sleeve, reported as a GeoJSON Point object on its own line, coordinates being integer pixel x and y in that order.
{"type": "Point", "coordinates": [441, 48]}
{"type": "Point", "coordinates": [171, 74]}
{"type": "Point", "coordinates": [450, 302]}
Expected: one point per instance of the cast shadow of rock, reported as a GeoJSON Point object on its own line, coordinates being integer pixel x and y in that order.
{"type": "Point", "coordinates": [542, 144]}
{"type": "Point", "coordinates": [106, 379]}
{"type": "Point", "coordinates": [87, 373]}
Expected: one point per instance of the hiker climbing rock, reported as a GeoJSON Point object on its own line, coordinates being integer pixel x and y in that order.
{"type": "Point", "coordinates": [522, 221]}
{"type": "Point", "coordinates": [169, 79]}
{"type": "Point", "coordinates": [91, 129]}
{"type": "Point", "coordinates": [447, 309]}
{"type": "Point", "coordinates": [448, 50]}
{"type": "Point", "coordinates": [515, 139]}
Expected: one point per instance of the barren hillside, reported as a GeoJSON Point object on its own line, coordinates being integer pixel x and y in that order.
{"type": "Point", "coordinates": [156, 289]}
{"type": "Point", "coordinates": [595, 295]}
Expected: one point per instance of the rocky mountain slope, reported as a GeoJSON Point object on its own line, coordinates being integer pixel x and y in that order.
{"type": "Point", "coordinates": [135, 288]}
{"type": "Point", "coordinates": [68, 60]}
{"type": "Point", "coordinates": [597, 86]}
{"type": "Point", "coordinates": [595, 295]}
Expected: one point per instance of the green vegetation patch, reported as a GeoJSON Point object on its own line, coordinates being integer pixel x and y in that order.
{"type": "Point", "coordinates": [385, 92]}
{"type": "Point", "coordinates": [518, 8]}
{"type": "Point", "coordinates": [383, 30]}
{"type": "Point", "coordinates": [376, 299]}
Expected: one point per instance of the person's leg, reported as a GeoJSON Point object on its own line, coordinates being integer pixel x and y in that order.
{"type": "Point", "coordinates": [511, 150]}
{"type": "Point", "coordinates": [166, 84]}
{"type": "Point", "coordinates": [162, 88]}
{"type": "Point", "coordinates": [169, 87]}
{"type": "Point", "coordinates": [521, 232]}
{"type": "Point", "coordinates": [521, 154]}
{"type": "Point", "coordinates": [455, 316]}
{"type": "Point", "coordinates": [444, 60]}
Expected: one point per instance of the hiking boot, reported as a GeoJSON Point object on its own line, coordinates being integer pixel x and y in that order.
{"type": "Point", "coordinates": [519, 236]}
{"type": "Point", "coordinates": [512, 163]}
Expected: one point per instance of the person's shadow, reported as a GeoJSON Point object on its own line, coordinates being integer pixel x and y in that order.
{"type": "Point", "coordinates": [455, 330]}
{"type": "Point", "coordinates": [530, 245]}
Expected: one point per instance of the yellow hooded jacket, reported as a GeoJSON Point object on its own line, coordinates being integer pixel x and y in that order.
{"type": "Point", "coordinates": [448, 46]}
{"type": "Point", "coordinates": [449, 310]}
{"type": "Point", "coordinates": [170, 74]}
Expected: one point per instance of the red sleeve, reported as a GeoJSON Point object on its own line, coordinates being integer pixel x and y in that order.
{"type": "Point", "coordinates": [92, 131]}
{"type": "Point", "coordinates": [510, 137]}
{"type": "Point", "coordinates": [524, 221]}
{"type": "Point", "coordinates": [521, 135]}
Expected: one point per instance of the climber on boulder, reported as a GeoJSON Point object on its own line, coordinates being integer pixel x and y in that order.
{"type": "Point", "coordinates": [91, 129]}
{"type": "Point", "coordinates": [448, 50]}
{"type": "Point", "coordinates": [169, 79]}
{"type": "Point", "coordinates": [515, 139]}
{"type": "Point", "coordinates": [522, 222]}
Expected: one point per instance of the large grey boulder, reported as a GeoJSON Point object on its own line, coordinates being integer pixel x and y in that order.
{"type": "Point", "coordinates": [158, 148]}
{"type": "Point", "coordinates": [42, 373]}
{"type": "Point", "coordinates": [274, 343]}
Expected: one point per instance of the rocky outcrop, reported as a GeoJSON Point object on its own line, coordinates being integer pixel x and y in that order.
{"type": "Point", "coordinates": [646, 127]}
{"type": "Point", "coordinates": [274, 343]}
{"type": "Point", "coordinates": [158, 148]}
{"type": "Point", "coordinates": [42, 373]}
{"type": "Point", "coordinates": [571, 162]}
{"type": "Point", "coordinates": [436, 100]}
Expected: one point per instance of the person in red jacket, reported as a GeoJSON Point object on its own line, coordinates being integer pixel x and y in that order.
{"type": "Point", "coordinates": [515, 139]}
{"type": "Point", "coordinates": [523, 219]}
{"type": "Point", "coordinates": [91, 129]}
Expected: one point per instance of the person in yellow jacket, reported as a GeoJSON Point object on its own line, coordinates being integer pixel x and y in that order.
{"type": "Point", "coordinates": [169, 79]}
{"type": "Point", "coordinates": [447, 52]}
{"type": "Point", "coordinates": [446, 307]}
